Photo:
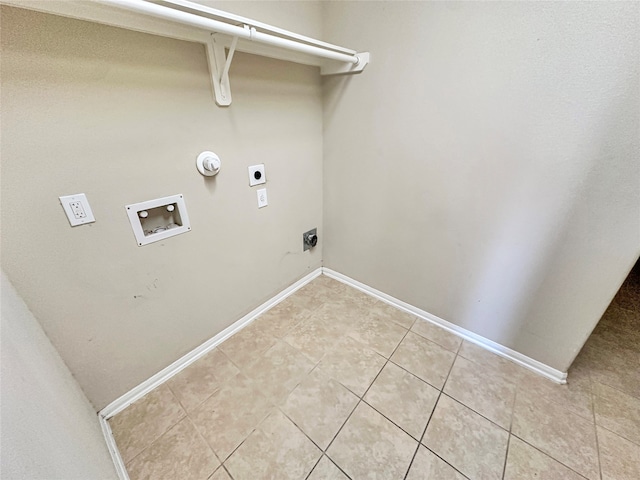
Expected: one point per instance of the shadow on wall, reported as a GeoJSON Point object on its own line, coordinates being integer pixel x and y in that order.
{"type": "Point", "coordinates": [523, 275]}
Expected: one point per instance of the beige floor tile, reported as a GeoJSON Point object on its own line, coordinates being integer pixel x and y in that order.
{"type": "Point", "coordinates": [437, 334]}
{"type": "Point", "coordinates": [617, 337]}
{"type": "Point", "coordinates": [424, 359]}
{"type": "Point", "coordinates": [628, 296]}
{"type": "Point", "coordinates": [352, 364]}
{"type": "Point", "coordinates": [483, 390]}
{"type": "Point", "coordinates": [275, 450]}
{"type": "Point", "coordinates": [381, 336]}
{"type": "Point", "coordinates": [247, 344]}
{"type": "Point", "coordinates": [319, 406]}
{"type": "Point", "coordinates": [228, 416]}
{"type": "Point", "coordinates": [471, 443]}
{"type": "Point", "coordinates": [575, 395]}
{"type": "Point", "coordinates": [427, 466]}
{"type": "Point", "coordinates": [613, 366]}
{"type": "Point", "coordinates": [317, 334]}
{"type": "Point", "coordinates": [144, 421]}
{"type": "Point", "coordinates": [180, 453]}
{"type": "Point", "coordinates": [497, 363]}
{"type": "Point", "coordinates": [617, 411]}
{"type": "Point", "coordinates": [386, 312]}
{"type": "Point", "coordinates": [276, 373]}
{"type": "Point", "coordinates": [195, 383]}
{"type": "Point", "coordinates": [220, 474]}
{"type": "Point", "coordinates": [310, 297]}
{"type": "Point", "coordinates": [342, 313]}
{"type": "Point", "coordinates": [326, 470]}
{"type": "Point", "coordinates": [370, 446]}
{"type": "Point", "coordinates": [323, 281]}
{"type": "Point", "coordinates": [281, 318]}
{"type": "Point", "coordinates": [620, 458]}
{"type": "Point", "coordinates": [525, 462]}
{"type": "Point", "coordinates": [355, 296]}
{"type": "Point", "coordinates": [403, 398]}
{"type": "Point", "coordinates": [558, 432]}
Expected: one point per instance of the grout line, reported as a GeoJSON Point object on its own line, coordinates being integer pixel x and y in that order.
{"type": "Point", "coordinates": [347, 419]}
{"type": "Point", "coordinates": [206, 443]}
{"type": "Point", "coordinates": [430, 417]}
{"type": "Point", "coordinates": [633, 442]}
{"type": "Point", "coordinates": [617, 389]}
{"type": "Point", "coordinates": [461, 474]}
{"type": "Point", "coordinates": [155, 440]}
{"type": "Point", "coordinates": [361, 397]}
{"type": "Point", "coordinates": [513, 407]}
{"type": "Point", "coordinates": [595, 424]}
{"type": "Point", "coordinates": [301, 430]}
{"type": "Point", "coordinates": [269, 412]}
{"type": "Point", "coordinates": [226, 470]}
{"type": "Point", "coordinates": [477, 413]}
{"type": "Point", "coordinates": [414, 375]}
{"type": "Point", "coordinates": [315, 464]}
{"type": "Point", "coordinates": [506, 456]}
{"type": "Point", "coordinates": [547, 455]}
{"type": "Point", "coordinates": [365, 392]}
{"type": "Point", "coordinates": [324, 455]}
{"type": "Point", "coordinates": [169, 428]}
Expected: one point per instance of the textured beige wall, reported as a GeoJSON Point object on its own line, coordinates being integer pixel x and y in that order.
{"type": "Point", "coordinates": [485, 166]}
{"type": "Point", "coordinates": [121, 116]}
{"type": "Point", "coordinates": [49, 429]}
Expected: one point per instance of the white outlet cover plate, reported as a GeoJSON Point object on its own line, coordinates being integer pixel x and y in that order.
{"type": "Point", "coordinates": [252, 171]}
{"type": "Point", "coordinates": [77, 209]}
{"type": "Point", "coordinates": [262, 197]}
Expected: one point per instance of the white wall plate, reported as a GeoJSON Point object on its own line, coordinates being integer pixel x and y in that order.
{"type": "Point", "coordinates": [77, 209]}
{"type": "Point", "coordinates": [262, 197]}
{"type": "Point", "coordinates": [257, 175]}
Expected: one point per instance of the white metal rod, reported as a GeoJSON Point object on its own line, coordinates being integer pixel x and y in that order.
{"type": "Point", "coordinates": [301, 47]}
{"type": "Point", "coordinates": [178, 16]}
{"type": "Point", "coordinates": [263, 27]}
{"type": "Point", "coordinates": [221, 27]}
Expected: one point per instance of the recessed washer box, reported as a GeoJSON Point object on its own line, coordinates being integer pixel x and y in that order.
{"type": "Point", "coordinates": [158, 219]}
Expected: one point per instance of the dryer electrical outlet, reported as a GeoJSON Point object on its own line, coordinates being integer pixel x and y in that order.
{"type": "Point", "coordinates": [257, 175]}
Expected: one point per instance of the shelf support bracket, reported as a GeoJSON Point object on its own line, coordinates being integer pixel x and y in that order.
{"type": "Point", "coordinates": [219, 64]}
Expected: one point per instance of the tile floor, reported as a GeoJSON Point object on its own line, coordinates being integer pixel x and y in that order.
{"type": "Point", "coordinates": [332, 384]}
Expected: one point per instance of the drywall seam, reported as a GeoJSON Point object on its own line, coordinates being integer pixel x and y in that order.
{"type": "Point", "coordinates": [165, 374]}
{"type": "Point", "coordinates": [516, 357]}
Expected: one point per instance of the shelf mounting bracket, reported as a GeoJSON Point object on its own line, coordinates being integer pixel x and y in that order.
{"type": "Point", "coordinates": [219, 64]}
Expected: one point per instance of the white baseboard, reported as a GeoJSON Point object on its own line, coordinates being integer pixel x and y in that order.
{"type": "Point", "coordinates": [118, 463]}
{"type": "Point", "coordinates": [516, 357]}
{"type": "Point", "coordinates": [165, 374]}
{"type": "Point", "coordinates": [162, 376]}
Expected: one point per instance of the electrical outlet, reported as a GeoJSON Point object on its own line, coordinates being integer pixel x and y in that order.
{"type": "Point", "coordinates": [262, 198]}
{"type": "Point", "coordinates": [257, 175]}
{"type": "Point", "coordinates": [77, 209]}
